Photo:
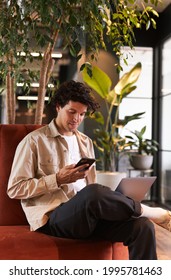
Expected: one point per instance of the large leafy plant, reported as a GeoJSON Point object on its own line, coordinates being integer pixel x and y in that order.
{"type": "Point", "coordinates": [108, 141]}
{"type": "Point", "coordinates": [79, 24]}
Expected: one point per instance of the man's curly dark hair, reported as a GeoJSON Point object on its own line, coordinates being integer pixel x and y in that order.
{"type": "Point", "coordinates": [75, 91]}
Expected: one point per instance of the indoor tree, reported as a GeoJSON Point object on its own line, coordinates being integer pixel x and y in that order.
{"type": "Point", "coordinates": [96, 22]}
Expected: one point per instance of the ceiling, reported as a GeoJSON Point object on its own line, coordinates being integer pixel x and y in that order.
{"type": "Point", "coordinates": [162, 5]}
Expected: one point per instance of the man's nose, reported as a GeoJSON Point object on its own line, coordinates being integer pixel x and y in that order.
{"type": "Point", "coordinates": [76, 117]}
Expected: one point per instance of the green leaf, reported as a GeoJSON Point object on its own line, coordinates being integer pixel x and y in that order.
{"type": "Point", "coordinates": [148, 24]}
{"type": "Point", "coordinates": [98, 117]}
{"type": "Point", "coordinates": [128, 78]}
{"type": "Point", "coordinates": [127, 119]}
{"type": "Point", "coordinates": [153, 23]}
{"type": "Point", "coordinates": [72, 51]}
{"type": "Point", "coordinates": [112, 98]}
{"type": "Point", "coordinates": [73, 20]}
{"type": "Point", "coordinates": [99, 81]}
{"type": "Point", "coordinates": [143, 130]}
{"type": "Point", "coordinates": [155, 13]}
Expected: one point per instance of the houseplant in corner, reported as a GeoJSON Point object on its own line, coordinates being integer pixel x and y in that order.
{"type": "Point", "coordinates": [143, 158]}
{"type": "Point", "coordinates": [108, 141]}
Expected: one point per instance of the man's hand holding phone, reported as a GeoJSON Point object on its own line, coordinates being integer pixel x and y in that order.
{"type": "Point", "coordinates": [71, 173]}
{"type": "Point", "coordinates": [85, 163]}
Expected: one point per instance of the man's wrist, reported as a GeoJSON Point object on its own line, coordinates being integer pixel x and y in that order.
{"type": "Point", "coordinates": [58, 179]}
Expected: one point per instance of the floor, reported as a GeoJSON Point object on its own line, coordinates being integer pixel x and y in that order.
{"type": "Point", "coordinates": [163, 239]}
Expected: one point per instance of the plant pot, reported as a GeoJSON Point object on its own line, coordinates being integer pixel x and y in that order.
{"type": "Point", "coordinates": [110, 179]}
{"type": "Point", "coordinates": [141, 162]}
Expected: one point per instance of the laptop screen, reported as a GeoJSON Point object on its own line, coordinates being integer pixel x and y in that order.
{"type": "Point", "coordinates": [136, 187]}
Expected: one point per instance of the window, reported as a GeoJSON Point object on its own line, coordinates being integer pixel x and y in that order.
{"type": "Point", "coordinates": [139, 100]}
{"type": "Point", "coordinates": [165, 101]}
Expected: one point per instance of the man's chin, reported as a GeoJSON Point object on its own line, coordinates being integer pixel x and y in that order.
{"type": "Point", "coordinates": [73, 128]}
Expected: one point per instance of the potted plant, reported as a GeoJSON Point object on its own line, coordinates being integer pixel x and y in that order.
{"type": "Point", "coordinates": [108, 140]}
{"type": "Point", "coordinates": [143, 158]}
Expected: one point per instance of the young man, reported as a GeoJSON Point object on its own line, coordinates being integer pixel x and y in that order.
{"type": "Point", "coordinates": [62, 200]}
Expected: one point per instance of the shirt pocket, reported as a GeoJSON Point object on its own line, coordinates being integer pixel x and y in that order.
{"type": "Point", "coordinates": [47, 166]}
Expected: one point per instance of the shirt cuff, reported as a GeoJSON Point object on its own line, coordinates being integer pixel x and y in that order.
{"type": "Point", "coordinates": [50, 182]}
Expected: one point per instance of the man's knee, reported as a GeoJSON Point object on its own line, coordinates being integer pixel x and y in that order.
{"type": "Point", "coordinates": [95, 191]}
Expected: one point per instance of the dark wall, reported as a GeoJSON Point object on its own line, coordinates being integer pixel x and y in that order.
{"type": "Point", "coordinates": [146, 38]}
{"type": "Point", "coordinates": [164, 25]}
{"type": "Point", "coordinates": [153, 37]}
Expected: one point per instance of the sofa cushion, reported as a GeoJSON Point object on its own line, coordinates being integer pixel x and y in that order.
{"type": "Point", "coordinates": [18, 242]}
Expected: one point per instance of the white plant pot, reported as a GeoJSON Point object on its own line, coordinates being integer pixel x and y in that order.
{"type": "Point", "coordinates": [110, 179]}
{"type": "Point", "coordinates": [141, 162]}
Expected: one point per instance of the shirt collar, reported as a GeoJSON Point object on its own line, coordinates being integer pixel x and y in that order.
{"type": "Point", "coordinates": [83, 141]}
{"type": "Point", "coordinates": [53, 131]}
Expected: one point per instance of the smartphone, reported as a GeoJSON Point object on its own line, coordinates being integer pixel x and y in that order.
{"type": "Point", "coordinates": [82, 161]}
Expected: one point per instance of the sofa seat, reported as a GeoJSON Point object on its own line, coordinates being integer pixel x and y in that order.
{"type": "Point", "coordinates": [19, 243]}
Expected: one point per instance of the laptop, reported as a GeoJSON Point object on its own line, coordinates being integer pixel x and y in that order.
{"type": "Point", "coordinates": [136, 187]}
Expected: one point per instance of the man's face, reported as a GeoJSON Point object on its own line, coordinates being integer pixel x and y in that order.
{"type": "Point", "coordinates": [70, 117]}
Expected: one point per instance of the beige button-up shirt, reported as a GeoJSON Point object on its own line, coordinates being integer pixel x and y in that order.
{"type": "Point", "coordinates": [39, 156]}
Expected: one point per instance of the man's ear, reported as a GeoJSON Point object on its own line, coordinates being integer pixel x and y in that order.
{"type": "Point", "coordinates": [57, 107]}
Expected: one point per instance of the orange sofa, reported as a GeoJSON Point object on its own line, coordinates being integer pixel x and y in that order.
{"type": "Point", "coordinates": [17, 242]}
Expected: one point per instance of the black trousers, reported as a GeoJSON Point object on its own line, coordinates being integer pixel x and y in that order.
{"type": "Point", "coordinates": [98, 212]}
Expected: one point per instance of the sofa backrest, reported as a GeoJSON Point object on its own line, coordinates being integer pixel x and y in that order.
{"type": "Point", "coordinates": [11, 212]}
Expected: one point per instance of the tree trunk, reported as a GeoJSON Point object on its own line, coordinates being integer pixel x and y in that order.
{"type": "Point", "coordinates": [45, 73]}
{"type": "Point", "coordinates": [10, 84]}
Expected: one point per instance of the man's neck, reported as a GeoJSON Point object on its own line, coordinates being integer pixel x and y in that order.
{"type": "Point", "coordinates": [62, 131]}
